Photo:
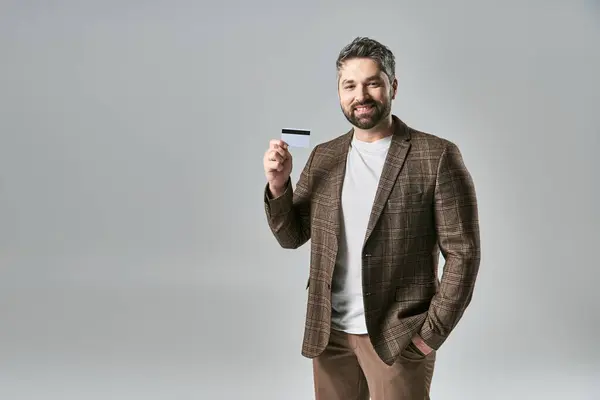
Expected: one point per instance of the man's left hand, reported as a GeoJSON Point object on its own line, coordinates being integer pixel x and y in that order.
{"type": "Point", "coordinates": [421, 345]}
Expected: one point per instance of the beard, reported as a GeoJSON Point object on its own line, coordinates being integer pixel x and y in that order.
{"type": "Point", "coordinates": [378, 112]}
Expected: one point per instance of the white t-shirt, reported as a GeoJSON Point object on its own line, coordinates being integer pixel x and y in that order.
{"type": "Point", "coordinates": [363, 169]}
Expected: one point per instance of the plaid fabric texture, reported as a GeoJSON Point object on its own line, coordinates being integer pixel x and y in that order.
{"type": "Point", "coordinates": [425, 204]}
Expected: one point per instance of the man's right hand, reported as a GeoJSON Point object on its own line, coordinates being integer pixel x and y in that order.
{"type": "Point", "coordinates": [278, 166]}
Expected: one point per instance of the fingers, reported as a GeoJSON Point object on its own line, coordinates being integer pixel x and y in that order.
{"type": "Point", "coordinates": [274, 160]}
{"type": "Point", "coordinates": [276, 156]}
{"type": "Point", "coordinates": [278, 151]}
{"type": "Point", "coordinates": [278, 143]}
{"type": "Point", "coordinates": [279, 146]}
{"type": "Point", "coordinates": [272, 166]}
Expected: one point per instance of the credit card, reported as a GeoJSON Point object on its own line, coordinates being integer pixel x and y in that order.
{"type": "Point", "coordinates": [296, 137]}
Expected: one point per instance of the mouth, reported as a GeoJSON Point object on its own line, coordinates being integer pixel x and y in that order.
{"type": "Point", "coordinates": [364, 109]}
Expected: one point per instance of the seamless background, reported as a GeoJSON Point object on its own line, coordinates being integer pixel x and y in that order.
{"type": "Point", "coordinates": [136, 262]}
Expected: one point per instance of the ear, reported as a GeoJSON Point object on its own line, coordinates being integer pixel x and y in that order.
{"type": "Point", "coordinates": [394, 88]}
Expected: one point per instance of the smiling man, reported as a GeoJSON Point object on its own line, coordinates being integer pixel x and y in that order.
{"type": "Point", "coordinates": [379, 204]}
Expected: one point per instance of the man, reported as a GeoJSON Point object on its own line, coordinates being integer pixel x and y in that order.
{"type": "Point", "coordinates": [379, 204]}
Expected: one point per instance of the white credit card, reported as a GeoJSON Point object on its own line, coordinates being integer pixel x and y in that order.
{"type": "Point", "coordinates": [296, 137]}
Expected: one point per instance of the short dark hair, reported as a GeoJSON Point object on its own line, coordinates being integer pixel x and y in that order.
{"type": "Point", "coordinates": [364, 47]}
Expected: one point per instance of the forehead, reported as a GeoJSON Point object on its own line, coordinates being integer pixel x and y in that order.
{"type": "Point", "coordinates": [359, 69]}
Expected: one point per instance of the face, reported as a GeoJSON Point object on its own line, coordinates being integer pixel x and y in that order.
{"type": "Point", "coordinates": [365, 93]}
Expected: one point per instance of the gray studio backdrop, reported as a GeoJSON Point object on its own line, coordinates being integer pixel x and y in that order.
{"type": "Point", "coordinates": [136, 262]}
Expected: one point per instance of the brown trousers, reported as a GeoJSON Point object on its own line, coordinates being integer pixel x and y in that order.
{"type": "Point", "coordinates": [350, 369]}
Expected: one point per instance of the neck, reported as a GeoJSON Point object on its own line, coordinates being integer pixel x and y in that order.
{"type": "Point", "coordinates": [384, 129]}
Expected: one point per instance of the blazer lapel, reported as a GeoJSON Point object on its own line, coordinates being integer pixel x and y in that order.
{"type": "Point", "coordinates": [393, 164]}
{"type": "Point", "coordinates": [338, 172]}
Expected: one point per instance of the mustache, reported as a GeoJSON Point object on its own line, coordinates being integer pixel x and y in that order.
{"type": "Point", "coordinates": [364, 103]}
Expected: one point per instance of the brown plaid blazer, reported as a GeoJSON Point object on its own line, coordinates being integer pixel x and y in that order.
{"type": "Point", "coordinates": [425, 203]}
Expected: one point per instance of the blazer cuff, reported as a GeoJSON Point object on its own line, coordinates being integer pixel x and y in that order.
{"type": "Point", "coordinates": [431, 338]}
{"type": "Point", "coordinates": [279, 205]}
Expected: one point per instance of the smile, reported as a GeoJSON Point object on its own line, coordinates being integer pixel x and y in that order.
{"type": "Point", "coordinates": [363, 109]}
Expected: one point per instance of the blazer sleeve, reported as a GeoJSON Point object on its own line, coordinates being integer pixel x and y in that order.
{"type": "Point", "coordinates": [289, 214]}
{"type": "Point", "coordinates": [457, 226]}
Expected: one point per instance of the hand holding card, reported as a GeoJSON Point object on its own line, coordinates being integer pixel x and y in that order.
{"type": "Point", "coordinates": [278, 166]}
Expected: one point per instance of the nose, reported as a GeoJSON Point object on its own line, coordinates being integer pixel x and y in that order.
{"type": "Point", "coordinates": [361, 94]}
